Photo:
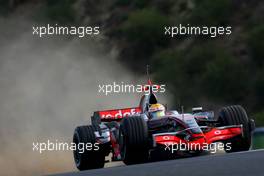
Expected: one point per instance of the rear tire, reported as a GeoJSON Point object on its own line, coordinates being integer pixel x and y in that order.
{"type": "Point", "coordinates": [236, 115]}
{"type": "Point", "coordinates": [87, 159]}
{"type": "Point", "coordinates": [133, 140]}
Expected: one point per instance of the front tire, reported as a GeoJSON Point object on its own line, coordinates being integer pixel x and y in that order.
{"type": "Point", "coordinates": [87, 159]}
{"type": "Point", "coordinates": [236, 115]}
{"type": "Point", "coordinates": [133, 140]}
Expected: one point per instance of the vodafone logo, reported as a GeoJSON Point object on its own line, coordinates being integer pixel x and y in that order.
{"type": "Point", "coordinates": [118, 114]}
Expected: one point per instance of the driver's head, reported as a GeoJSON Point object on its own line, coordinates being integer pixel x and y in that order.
{"type": "Point", "coordinates": [156, 110]}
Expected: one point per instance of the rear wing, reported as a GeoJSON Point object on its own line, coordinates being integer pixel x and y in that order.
{"type": "Point", "coordinates": [114, 115]}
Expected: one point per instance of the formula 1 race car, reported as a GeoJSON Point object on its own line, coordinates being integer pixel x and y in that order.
{"type": "Point", "coordinates": [132, 136]}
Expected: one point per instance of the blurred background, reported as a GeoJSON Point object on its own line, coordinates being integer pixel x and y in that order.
{"type": "Point", "coordinates": [48, 86]}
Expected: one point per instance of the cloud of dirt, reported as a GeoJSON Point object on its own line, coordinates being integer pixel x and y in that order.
{"type": "Point", "coordinates": [47, 88]}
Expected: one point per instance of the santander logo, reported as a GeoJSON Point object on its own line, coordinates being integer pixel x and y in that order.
{"type": "Point", "coordinates": [119, 114]}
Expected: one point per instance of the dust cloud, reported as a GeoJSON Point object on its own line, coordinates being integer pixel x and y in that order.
{"type": "Point", "coordinates": [48, 86]}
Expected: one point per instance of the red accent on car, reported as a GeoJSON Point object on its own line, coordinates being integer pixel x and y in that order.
{"type": "Point", "coordinates": [119, 113]}
{"type": "Point", "coordinates": [222, 134]}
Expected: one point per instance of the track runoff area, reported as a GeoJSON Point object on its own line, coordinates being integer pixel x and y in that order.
{"type": "Point", "coordinates": [236, 164]}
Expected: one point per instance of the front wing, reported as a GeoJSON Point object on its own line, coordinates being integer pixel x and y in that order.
{"type": "Point", "coordinates": [211, 135]}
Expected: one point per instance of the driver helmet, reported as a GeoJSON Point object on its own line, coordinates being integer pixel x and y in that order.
{"type": "Point", "coordinates": [156, 110]}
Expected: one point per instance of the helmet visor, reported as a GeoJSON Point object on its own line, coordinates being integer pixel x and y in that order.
{"type": "Point", "coordinates": [157, 114]}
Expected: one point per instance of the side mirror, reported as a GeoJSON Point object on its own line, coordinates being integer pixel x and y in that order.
{"type": "Point", "coordinates": [197, 109]}
{"type": "Point", "coordinates": [252, 125]}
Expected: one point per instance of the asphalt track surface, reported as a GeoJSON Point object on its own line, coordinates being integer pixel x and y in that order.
{"type": "Point", "coordinates": [249, 163]}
